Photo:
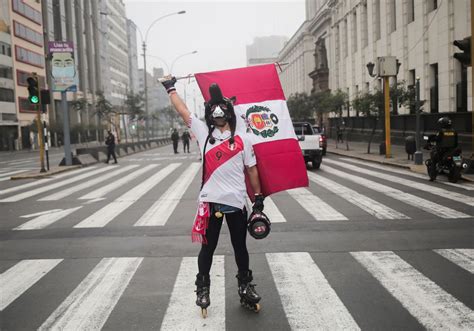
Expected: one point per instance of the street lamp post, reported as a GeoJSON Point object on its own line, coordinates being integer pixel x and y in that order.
{"type": "Point", "coordinates": [144, 40]}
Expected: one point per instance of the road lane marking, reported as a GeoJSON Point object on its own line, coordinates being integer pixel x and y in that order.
{"type": "Point", "coordinates": [406, 172]}
{"type": "Point", "coordinates": [309, 301]}
{"type": "Point", "coordinates": [458, 197]}
{"type": "Point", "coordinates": [41, 213]}
{"type": "Point", "coordinates": [44, 180]}
{"type": "Point", "coordinates": [45, 220]}
{"type": "Point", "coordinates": [367, 204]}
{"type": "Point", "coordinates": [271, 210]}
{"type": "Point", "coordinates": [19, 278]}
{"type": "Point", "coordinates": [45, 188]}
{"type": "Point", "coordinates": [71, 190]}
{"type": "Point", "coordinates": [103, 216]}
{"type": "Point", "coordinates": [433, 307]}
{"type": "Point", "coordinates": [7, 175]}
{"type": "Point", "coordinates": [182, 312]}
{"type": "Point", "coordinates": [319, 209]}
{"type": "Point", "coordinates": [462, 257]}
{"type": "Point", "coordinates": [102, 191]}
{"type": "Point", "coordinates": [413, 200]}
{"type": "Point", "coordinates": [92, 301]}
{"type": "Point", "coordinates": [159, 213]}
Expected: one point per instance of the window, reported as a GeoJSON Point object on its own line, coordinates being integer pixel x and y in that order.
{"type": "Point", "coordinates": [393, 15]}
{"type": "Point", "coordinates": [346, 38]}
{"type": "Point", "coordinates": [411, 88]}
{"type": "Point", "coordinates": [376, 17]}
{"type": "Point", "coordinates": [5, 49]}
{"type": "Point", "coordinates": [411, 10]}
{"type": "Point", "coordinates": [432, 5]}
{"type": "Point", "coordinates": [21, 77]}
{"type": "Point", "coordinates": [7, 95]}
{"type": "Point", "coordinates": [6, 72]}
{"type": "Point", "coordinates": [25, 10]}
{"type": "Point", "coordinates": [434, 88]}
{"type": "Point", "coordinates": [26, 56]}
{"type": "Point", "coordinates": [364, 26]}
{"type": "Point", "coordinates": [26, 106]}
{"type": "Point", "coordinates": [354, 32]}
{"type": "Point", "coordinates": [28, 34]}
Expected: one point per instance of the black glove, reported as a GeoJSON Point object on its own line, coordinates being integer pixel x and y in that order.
{"type": "Point", "coordinates": [168, 83]}
{"type": "Point", "coordinates": [258, 204]}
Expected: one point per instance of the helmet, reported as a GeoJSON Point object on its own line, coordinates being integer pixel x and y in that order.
{"type": "Point", "coordinates": [258, 225]}
{"type": "Point", "coordinates": [444, 123]}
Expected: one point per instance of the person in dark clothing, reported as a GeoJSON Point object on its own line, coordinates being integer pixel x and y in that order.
{"type": "Point", "coordinates": [186, 137]}
{"type": "Point", "coordinates": [175, 139]}
{"type": "Point", "coordinates": [110, 142]}
{"type": "Point", "coordinates": [446, 139]}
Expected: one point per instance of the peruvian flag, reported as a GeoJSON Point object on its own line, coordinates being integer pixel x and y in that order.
{"type": "Point", "coordinates": [262, 112]}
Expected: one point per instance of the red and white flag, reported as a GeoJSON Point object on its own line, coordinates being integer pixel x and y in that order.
{"type": "Point", "coordinates": [261, 111]}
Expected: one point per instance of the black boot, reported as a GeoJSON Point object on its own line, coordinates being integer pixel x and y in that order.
{"type": "Point", "coordinates": [203, 284]}
{"type": "Point", "coordinates": [249, 298]}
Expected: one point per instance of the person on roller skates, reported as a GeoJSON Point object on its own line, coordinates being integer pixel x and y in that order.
{"type": "Point", "coordinates": [226, 157]}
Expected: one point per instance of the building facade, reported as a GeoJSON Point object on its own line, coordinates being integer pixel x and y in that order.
{"type": "Point", "coordinates": [8, 112]}
{"type": "Point", "coordinates": [419, 34]}
{"type": "Point", "coordinates": [132, 56]}
{"type": "Point", "coordinates": [27, 47]}
{"type": "Point", "coordinates": [114, 51]}
{"type": "Point", "coordinates": [332, 47]}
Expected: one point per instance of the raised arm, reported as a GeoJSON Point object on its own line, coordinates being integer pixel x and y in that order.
{"type": "Point", "coordinates": [168, 82]}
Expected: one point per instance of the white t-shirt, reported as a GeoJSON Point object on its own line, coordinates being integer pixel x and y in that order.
{"type": "Point", "coordinates": [225, 165]}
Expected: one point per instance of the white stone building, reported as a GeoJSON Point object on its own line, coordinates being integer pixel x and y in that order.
{"type": "Point", "coordinates": [351, 33]}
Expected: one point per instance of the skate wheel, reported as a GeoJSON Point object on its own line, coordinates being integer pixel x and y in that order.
{"type": "Point", "coordinates": [204, 312]}
{"type": "Point", "coordinates": [257, 307]}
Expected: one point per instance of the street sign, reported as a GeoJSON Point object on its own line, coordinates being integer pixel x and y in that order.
{"type": "Point", "coordinates": [63, 73]}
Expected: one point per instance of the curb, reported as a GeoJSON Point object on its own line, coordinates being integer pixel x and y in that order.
{"type": "Point", "coordinates": [408, 167]}
{"type": "Point", "coordinates": [45, 174]}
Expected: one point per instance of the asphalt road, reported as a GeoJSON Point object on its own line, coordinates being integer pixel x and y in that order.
{"type": "Point", "coordinates": [109, 246]}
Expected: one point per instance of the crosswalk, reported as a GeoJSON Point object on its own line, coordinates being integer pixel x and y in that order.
{"type": "Point", "coordinates": [297, 287]}
{"type": "Point", "coordinates": [340, 191]}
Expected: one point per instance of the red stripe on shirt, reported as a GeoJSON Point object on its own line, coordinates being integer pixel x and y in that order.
{"type": "Point", "coordinates": [220, 154]}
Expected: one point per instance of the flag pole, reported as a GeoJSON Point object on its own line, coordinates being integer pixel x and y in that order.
{"type": "Point", "coordinates": [162, 79]}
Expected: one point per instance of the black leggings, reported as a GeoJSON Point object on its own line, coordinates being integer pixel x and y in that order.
{"type": "Point", "coordinates": [237, 224]}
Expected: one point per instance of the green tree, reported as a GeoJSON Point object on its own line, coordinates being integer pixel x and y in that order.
{"type": "Point", "coordinates": [300, 106]}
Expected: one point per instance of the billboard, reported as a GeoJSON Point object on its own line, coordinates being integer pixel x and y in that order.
{"type": "Point", "coordinates": [63, 68]}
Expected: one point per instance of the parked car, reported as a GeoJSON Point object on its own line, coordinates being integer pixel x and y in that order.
{"type": "Point", "coordinates": [310, 143]}
{"type": "Point", "coordinates": [323, 139]}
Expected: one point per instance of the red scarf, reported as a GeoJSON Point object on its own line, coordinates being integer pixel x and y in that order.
{"type": "Point", "coordinates": [201, 222]}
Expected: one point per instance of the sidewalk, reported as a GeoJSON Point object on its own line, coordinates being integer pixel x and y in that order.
{"type": "Point", "coordinates": [358, 150]}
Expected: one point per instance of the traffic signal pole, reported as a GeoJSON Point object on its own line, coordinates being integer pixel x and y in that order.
{"type": "Point", "coordinates": [472, 77]}
{"type": "Point", "coordinates": [386, 94]}
{"type": "Point", "coordinates": [38, 123]}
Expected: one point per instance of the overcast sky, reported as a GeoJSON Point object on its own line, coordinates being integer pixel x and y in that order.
{"type": "Point", "coordinates": [219, 30]}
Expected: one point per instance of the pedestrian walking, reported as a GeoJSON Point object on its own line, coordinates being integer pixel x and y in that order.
{"type": "Point", "coordinates": [110, 142]}
{"type": "Point", "coordinates": [186, 137]}
{"type": "Point", "coordinates": [226, 158]}
{"type": "Point", "coordinates": [175, 140]}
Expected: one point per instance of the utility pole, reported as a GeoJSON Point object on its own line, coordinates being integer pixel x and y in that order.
{"type": "Point", "coordinates": [145, 87]}
{"type": "Point", "coordinates": [472, 78]}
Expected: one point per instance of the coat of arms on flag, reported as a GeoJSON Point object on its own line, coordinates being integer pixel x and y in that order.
{"type": "Point", "coordinates": [262, 113]}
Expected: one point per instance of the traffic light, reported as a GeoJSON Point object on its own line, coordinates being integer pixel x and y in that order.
{"type": "Point", "coordinates": [33, 90]}
{"type": "Point", "coordinates": [465, 46]}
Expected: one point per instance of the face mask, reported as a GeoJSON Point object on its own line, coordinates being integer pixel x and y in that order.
{"type": "Point", "coordinates": [67, 72]}
{"type": "Point", "coordinates": [218, 112]}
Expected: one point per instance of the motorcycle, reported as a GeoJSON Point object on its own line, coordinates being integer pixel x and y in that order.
{"type": "Point", "coordinates": [450, 162]}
